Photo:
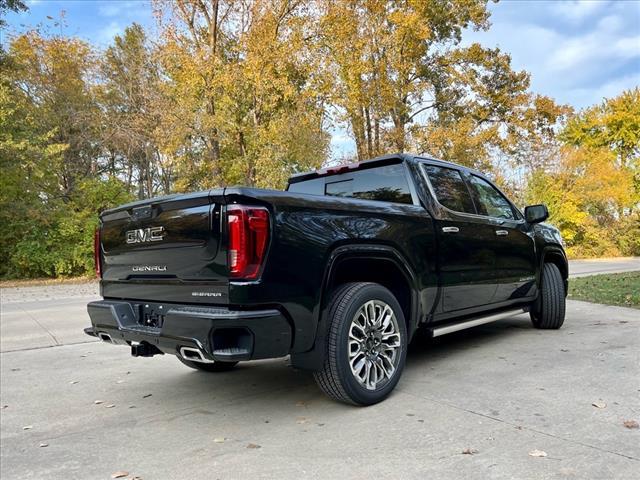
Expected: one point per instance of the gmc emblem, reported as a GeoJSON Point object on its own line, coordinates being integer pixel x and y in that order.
{"type": "Point", "coordinates": [143, 235]}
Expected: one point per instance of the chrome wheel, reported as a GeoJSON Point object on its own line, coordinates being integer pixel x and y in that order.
{"type": "Point", "coordinates": [374, 344]}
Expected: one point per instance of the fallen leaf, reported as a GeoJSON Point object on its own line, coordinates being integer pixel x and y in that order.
{"type": "Point", "coordinates": [219, 440]}
{"type": "Point", "coordinates": [147, 395]}
{"type": "Point", "coordinates": [98, 402]}
{"type": "Point", "coordinates": [469, 451]}
{"type": "Point", "coordinates": [119, 474]}
{"type": "Point", "coordinates": [537, 453]}
{"type": "Point", "coordinates": [410, 414]}
{"type": "Point", "coordinates": [73, 382]}
{"type": "Point", "coordinates": [253, 445]}
{"type": "Point", "coordinates": [27, 427]}
{"type": "Point", "coordinates": [5, 406]}
{"type": "Point", "coordinates": [111, 405]}
{"type": "Point", "coordinates": [43, 445]}
{"type": "Point", "coordinates": [599, 404]}
{"type": "Point", "coordinates": [631, 424]}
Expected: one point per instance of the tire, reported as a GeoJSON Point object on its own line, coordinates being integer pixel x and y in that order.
{"type": "Point", "coordinates": [360, 332]}
{"type": "Point", "coordinates": [548, 310]}
{"type": "Point", "coordinates": [208, 367]}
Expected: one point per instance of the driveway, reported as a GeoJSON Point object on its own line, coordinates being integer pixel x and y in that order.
{"type": "Point", "coordinates": [83, 409]}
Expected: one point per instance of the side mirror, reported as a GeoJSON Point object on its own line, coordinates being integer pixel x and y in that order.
{"type": "Point", "coordinates": [536, 213]}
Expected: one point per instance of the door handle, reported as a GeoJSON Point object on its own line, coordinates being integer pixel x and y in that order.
{"type": "Point", "coordinates": [450, 229]}
{"type": "Point", "coordinates": [502, 233]}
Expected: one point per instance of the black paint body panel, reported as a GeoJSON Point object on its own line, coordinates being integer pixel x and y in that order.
{"type": "Point", "coordinates": [449, 276]}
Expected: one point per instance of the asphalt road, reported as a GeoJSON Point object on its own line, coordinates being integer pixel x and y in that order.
{"type": "Point", "coordinates": [501, 390]}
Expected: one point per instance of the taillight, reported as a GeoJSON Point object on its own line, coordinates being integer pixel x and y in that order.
{"type": "Point", "coordinates": [96, 253]}
{"type": "Point", "coordinates": [248, 238]}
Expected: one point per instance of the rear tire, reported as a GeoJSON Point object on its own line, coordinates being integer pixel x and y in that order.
{"type": "Point", "coordinates": [549, 309]}
{"type": "Point", "coordinates": [366, 344]}
{"type": "Point", "coordinates": [208, 367]}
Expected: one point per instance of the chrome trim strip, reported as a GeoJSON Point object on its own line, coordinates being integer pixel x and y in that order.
{"type": "Point", "coordinates": [439, 331]}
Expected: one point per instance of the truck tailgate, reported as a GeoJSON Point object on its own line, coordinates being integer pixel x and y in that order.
{"type": "Point", "coordinates": [165, 249]}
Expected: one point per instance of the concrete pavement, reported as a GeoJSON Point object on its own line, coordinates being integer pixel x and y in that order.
{"type": "Point", "coordinates": [597, 266]}
{"type": "Point", "coordinates": [503, 389]}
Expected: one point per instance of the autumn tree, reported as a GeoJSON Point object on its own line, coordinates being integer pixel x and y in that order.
{"type": "Point", "coordinates": [241, 79]}
{"type": "Point", "coordinates": [132, 100]}
{"type": "Point", "coordinates": [50, 188]}
{"type": "Point", "coordinates": [592, 186]}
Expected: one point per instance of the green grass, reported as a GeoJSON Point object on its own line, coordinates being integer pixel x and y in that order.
{"type": "Point", "coordinates": [621, 289]}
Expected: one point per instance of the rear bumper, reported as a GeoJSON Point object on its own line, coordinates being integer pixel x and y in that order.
{"type": "Point", "coordinates": [218, 333]}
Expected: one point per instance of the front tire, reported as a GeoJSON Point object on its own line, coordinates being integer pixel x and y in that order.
{"type": "Point", "coordinates": [366, 344]}
{"type": "Point", "coordinates": [549, 309]}
{"type": "Point", "coordinates": [208, 367]}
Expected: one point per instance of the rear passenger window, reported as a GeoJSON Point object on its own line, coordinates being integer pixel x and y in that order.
{"type": "Point", "coordinates": [450, 189]}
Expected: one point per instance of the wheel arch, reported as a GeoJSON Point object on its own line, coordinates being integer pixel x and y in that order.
{"type": "Point", "coordinates": [382, 264]}
{"type": "Point", "coordinates": [556, 256]}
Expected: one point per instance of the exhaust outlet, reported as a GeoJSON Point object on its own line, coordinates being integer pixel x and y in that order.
{"type": "Point", "coordinates": [105, 337]}
{"type": "Point", "coordinates": [193, 355]}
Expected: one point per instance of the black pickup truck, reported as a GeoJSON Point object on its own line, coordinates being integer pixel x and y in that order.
{"type": "Point", "coordinates": [339, 271]}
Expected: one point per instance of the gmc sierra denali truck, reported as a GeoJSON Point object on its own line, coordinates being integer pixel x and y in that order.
{"type": "Point", "coordinates": [339, 271]}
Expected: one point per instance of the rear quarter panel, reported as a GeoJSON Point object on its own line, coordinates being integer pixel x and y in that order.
{"type": "Point", "coordinates": [308, 228]}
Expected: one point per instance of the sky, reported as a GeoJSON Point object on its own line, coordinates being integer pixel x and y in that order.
{"type": "Point", "coordinates": [577, 51]}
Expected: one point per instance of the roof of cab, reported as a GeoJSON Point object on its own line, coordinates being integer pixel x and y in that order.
{"type": "Point", "coordinates": [377, 161]}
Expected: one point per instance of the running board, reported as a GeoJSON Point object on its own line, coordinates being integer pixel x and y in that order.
{"type": "Point", "coordinates": [439, 331]}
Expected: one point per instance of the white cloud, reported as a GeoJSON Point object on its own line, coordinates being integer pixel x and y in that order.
{"type": "Point", "coordinates": [612, 88]}
{"type": "Point", "coordinates": [596, 49]}
{"type": "Point", "coordinates": [120, 8]}
{"type": "Point", "coordinates": [573, 64]}
{"type": "Point", "coordinates": [107, 33]}
{"type": "Point", "coordinates": [577, 11]}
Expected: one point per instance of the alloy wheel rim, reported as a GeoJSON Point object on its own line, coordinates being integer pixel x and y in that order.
{"type": "Point", "coordinates": [374, 344]}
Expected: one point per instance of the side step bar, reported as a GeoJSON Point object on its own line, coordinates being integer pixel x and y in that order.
{"type": "Point", "coordinates": [474, 322]}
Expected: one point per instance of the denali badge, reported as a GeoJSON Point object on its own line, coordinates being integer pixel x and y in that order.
{"type": "Point", "coordinates": [149, 268]}
{"type": "Point", "coordinates": [142, 235]}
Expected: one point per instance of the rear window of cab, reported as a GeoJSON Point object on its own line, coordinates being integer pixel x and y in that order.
{"type": "Point", "coordinates": [386, 183]}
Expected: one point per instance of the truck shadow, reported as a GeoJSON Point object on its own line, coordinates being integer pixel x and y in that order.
{"type": "Point", "coordinates": [429, 349]}
{"type": "Point", "coordinates": [276, 382]}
